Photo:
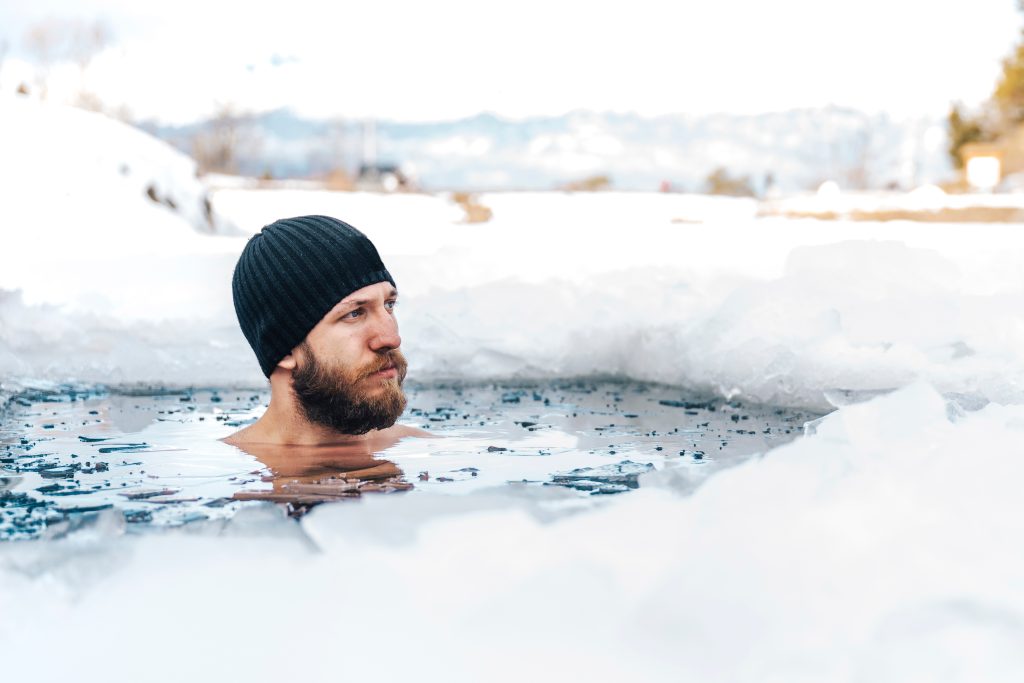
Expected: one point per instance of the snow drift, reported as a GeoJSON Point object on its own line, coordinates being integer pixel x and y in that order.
{"type": "Point", "coordinates": [884, 547]}
{"type": "Point", "coordinates": [106, 285]}
{"type": "Point", "coordinates": [692, 291]}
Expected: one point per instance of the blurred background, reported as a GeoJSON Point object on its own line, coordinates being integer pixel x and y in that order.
{"type": "Point", "coordinates": [737, 97]}
{"type": "Point", "coordinates": [688, 152]}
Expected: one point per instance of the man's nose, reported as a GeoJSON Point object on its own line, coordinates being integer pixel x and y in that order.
{"type": "Point", "coordinates": [385, 333]}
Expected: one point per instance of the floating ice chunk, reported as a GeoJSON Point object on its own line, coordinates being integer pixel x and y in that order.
{"type": "Point", "coordinates": [906, 415]}
{"type": "Point", "coordinates": [611, 478]}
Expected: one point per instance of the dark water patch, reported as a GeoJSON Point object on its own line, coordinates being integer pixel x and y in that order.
{"type": "Point", "coordinates": [122, 447]}
{"type": "Point", "coordinates": [143, 495]}
{"type": "Point", "coordinates": [605, 479]}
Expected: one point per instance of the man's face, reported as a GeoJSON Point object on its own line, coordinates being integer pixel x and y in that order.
{"type": "Point", "coordinates": [348, 371]}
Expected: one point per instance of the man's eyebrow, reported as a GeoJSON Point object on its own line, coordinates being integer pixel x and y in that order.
{"type": "Point", "coordinates": [347, 303]}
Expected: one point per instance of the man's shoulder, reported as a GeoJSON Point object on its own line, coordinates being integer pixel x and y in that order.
{"type": "Point", "coordinates": [243, 435]}
{"type": "Point", "coordinates": [400, 431]}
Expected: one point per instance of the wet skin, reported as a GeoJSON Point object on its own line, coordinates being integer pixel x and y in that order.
{"type": "Point", "coordinates": [350, 460]}
{"type": "Point", "coordinates": [357, 338]}
{"type": "Point", "coordinates": [307, 475]}
{"type": "Point", "coordinates": [357, 333]}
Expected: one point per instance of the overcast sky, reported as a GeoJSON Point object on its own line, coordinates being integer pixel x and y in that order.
{"type": "Point", "coordinates": [437, 59]}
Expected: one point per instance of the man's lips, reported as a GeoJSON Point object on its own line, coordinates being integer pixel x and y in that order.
{"type": "Point", "coordinates": [387, 372]}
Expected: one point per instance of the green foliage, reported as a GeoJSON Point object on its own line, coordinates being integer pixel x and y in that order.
{"type": "Point", "coordinates": [963, 129]}
{"type": "Point", "coordinates": [720, 181]}
{"type": "Point", "coordinates": [1009, 92]}
{"type": "Point", "coordinates": [1003, 111]}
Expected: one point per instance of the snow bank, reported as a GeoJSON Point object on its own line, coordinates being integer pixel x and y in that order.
{"type": "Point", "coordinates": [106, 285]}
{"type": "Point", "coordinates": [883, 547]}
{"type": "Point", "coordinates": [830, 199]}
{"type": "Point", "coordinates": [110, 247]}
{"type": "Point", "coordinates": [693, 291]}
{"type": "Point", "coordinates": [102, 219]}
{"type": "Point", "coordinates": [72, 164]}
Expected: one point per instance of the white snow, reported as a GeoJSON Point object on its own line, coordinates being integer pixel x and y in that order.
{"type": "Point", "coordinates": [831, 198]}
{"type": "Point", "coordinates": [884, 546]}
{"type": "Point", "coordinates": [688, 290]}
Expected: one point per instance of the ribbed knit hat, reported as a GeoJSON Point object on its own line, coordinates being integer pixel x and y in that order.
{"type": "Point", "coordinates": [292, 273]}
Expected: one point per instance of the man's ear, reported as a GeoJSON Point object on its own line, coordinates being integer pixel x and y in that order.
{"type": "Point", "coordinates": [288, 362]}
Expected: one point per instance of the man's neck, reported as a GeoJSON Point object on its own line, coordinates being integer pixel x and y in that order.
{"type": "Point", "coordinates": [285, 428]}
{"type": "Point", "coordinates": [284, 423]}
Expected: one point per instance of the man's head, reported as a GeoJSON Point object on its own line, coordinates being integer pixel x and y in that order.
{"type": "Point", "coordinates": [315, 302]}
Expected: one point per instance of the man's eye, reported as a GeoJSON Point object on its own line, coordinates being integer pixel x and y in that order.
{"type": "Point", "coordinates": [391, 305]}
{"type": "Point", "coordinates": [353, 314]}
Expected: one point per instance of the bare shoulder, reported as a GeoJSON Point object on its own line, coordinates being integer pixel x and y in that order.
{"type": "Point", "coordinates": [400, 431]}
{"type": "Point", "coordinates": [240, 437]}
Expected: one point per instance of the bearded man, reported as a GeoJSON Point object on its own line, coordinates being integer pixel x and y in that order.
{"type": "Point", "coordinates": [317, 306]}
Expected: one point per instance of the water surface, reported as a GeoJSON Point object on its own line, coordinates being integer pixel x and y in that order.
{"type": "Point", "coordinates": [156, 458]}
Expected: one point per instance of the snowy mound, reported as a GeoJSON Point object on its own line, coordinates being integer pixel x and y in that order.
{"type": "Point", "coordinates": [692, 291]}
{"type": "Point", "coordinates": [101, 225]}
{"type": "Point", "coordinates": [115, 275]}
{"type": "Point", "coordinates": [883, 547]}
{"type": "Point", "coordinates": [71, 164]}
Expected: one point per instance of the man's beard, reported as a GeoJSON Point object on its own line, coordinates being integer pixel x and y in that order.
{"type": "Point", "coordinates": [338, 398]}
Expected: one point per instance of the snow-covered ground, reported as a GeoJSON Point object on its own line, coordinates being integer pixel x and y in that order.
{"type": "Point", "coordinates": [883, 546]}
{"type": "Point", "coordinates": [831, 200]}
{"type": "Point", "coordinates": [687, 290]}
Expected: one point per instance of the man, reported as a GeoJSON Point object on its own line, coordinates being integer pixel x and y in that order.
{"type": "Point", "coordinates": [317, 306]}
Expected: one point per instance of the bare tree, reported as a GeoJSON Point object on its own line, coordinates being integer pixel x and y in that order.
{"type": "Point", "coordinates": [4, 47]}
{"type": "Point", "coordinates": [224, 140]}
{"type": "Point", "coordinates": [851, 155]}
{"type": "Point", "coordinates": [85, 42]}
{"type": "Point", "coordinates": [56, 40]}
{"type": "Point", "coordinates": [858, 168]}
{"type": "Point", "coordinates": [720, 181]}
{"type": "Point", "coordinates": [43, 42]}
{"type": "Point", "coordinates": [336, 174]}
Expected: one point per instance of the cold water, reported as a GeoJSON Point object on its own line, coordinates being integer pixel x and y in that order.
{"type": "Point", "coordinates": [156, 457]}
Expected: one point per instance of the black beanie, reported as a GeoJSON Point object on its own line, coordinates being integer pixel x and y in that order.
{"type": "Point", "coordinates": [292, 273]}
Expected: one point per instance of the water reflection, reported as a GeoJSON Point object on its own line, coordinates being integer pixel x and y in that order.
{"type": "Point", "coordinates": [67, 454]}
{"type": "Point", "coordinates": [304, 476]}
